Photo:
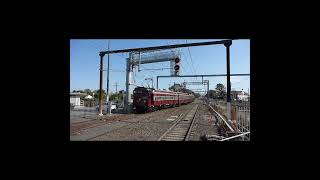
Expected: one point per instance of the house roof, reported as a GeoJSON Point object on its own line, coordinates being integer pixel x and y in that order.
{"type": "Point", "coordinates": [77, 93]}
{"type": "Point", "coordinates": [88, 97]}
{"type": "Point", "coordinates": [239, 92]}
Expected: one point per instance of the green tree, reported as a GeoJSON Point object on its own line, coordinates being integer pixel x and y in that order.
{"type": "Point", "coordinates": [220, 91]}
{"type": "Point", "coordinates": [118, 97]}
{"type": "Point", "coordinates": [212, 94]}
{"type": "Point", "coordinates": [88, 91]}
{"type": "Point", "coordinates": [220, 87]}
{"type": "Point", "coordinates": [176, 88]}
{"type": "Point", "coordinates": [80, 91]}
{"type": "Point", "coordinates": [197, 95]}
{"type": "Point", "coordinates": [97, 93]}
{"type": "Point", "coordinates": [180, 88]}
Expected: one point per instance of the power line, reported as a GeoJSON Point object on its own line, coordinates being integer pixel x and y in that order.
{"type": "Point", "coordinates": [190, 57]}
{"type": "Point", "coordinates": [183, 53]}
{"type": "Point", "coordinates": [183, 68]}
{"type": "Point", "coordinates": [194, 70]}
{"type": "Point", "coordinates": [122, 56]}
{"type": "Point", "coordinates": [186, 60]}
{"type": "Point", "coordinates": [188, 64]}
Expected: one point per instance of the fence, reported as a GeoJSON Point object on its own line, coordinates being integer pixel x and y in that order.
{"type": "Point", "coordinates": [240, 116]}
{"type": "Point", "coordinates": [221, 119]}
{"type": "Point", "coordinates": [91, 109]}
{"type": "Point", "coordinates": [90, 103]}
{"type": "Point", "coordinates": [83, 112]}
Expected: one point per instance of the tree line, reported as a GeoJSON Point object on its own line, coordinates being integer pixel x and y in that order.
{"type": "Point", "coordinates": [118, 97]}
{"type": "Point", "coordinates": [219, 92]}
{"type": "Point", "coordinates": [180, 88]}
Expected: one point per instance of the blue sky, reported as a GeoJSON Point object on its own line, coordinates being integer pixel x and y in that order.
{"type": "Point", "coordinates": [85, 63]}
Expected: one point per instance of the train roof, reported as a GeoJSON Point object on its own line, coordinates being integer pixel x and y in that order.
{"type": "Point", "coordinates": [172, 92]}
{"type": "Point", "coordinates": [148, 89]}
{"type": "Point", "coordinates": [161, 91]}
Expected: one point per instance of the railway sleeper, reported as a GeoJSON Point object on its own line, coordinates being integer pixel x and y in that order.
{"type": "Point", "coordinates": [178, 133]}
{"type": "Point", "coordinates": [174, 137]}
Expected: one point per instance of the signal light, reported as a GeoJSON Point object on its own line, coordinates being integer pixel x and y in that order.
{"type": "Point", "coordinates": [177, 67]}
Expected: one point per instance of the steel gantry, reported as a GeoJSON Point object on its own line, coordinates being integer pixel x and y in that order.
{"type": "Point", "coordinates": [204, 82]}
{"type": "Point", "coordinates": [213, 75]}
{"type": "Point", "coordinates": [226, 43]}
{"type": "Point", "coordinates": [200, 75]}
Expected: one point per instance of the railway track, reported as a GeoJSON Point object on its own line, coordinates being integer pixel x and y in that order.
{"type": "Point", "coordinates": [169, 112]}
{"type": "Point", "coordinates": [78, 127]}
{"type": "Point", "coordinates": [181, 130]}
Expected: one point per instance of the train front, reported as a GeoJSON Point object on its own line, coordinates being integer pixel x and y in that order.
{"type": "Point", "coordinates": [141, 99]}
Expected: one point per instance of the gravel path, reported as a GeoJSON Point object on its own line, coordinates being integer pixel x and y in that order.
{"type": "Point", "coordinates": [139, 127]}
{"type": "Point", "coordinates": [145, 128]}
{"type": "Point", "coordinates": [204, 124]}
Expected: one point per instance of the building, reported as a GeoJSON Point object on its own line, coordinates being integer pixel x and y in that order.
{"type": "Point", "coordinates": [243, 96]}
{"type": "Point", "coordinates": [75, 99]}
{"type": "Point", "coordinates": [240, 95]}
{"type": "Point", "coordinates": [88, 97]}
{"type": "Point", "coordinates": [176, 87]}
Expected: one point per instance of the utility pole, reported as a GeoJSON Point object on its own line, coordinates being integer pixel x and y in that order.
{"type": "Point", "coordinates": [108, 102]}
{"type": "Point", "coordinates": [208, 92]}
{"type": "Point", "coordinates": [227, 45]}
{"type": "Point", "coordinates": [116, 87]}
{"type": "Point", "coordinates": [151, 80]}
{"type": "Point", "coordinates": [101, 82]}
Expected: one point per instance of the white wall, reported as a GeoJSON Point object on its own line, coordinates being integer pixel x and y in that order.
{"type": "Point", "coordinates": [243, 97]}
{"type": "Point", "coordinates": [75, 101]}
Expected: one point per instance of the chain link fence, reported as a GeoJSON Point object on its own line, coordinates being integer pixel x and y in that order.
{"type": "Point", "coordinates": [83, 112]}
{"type": "Point", "coordinates": [240, 115]}
{"type": "Point", "coordinates": [90, 109]}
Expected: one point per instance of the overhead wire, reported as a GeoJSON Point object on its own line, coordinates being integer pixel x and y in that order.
{"type": "Point", "coordinates": [186, 59]}
{"type": "Point", "coordinates": [194, 70]}
{"type": "Point", "coordinates": [191, 59]}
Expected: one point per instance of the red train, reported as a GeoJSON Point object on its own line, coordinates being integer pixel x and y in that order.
{"type": "Point", "coordinates": [149, 99]}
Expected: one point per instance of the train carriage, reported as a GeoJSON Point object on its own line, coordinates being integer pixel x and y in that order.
{"type": "Point", "coordinates": [148, 99]}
